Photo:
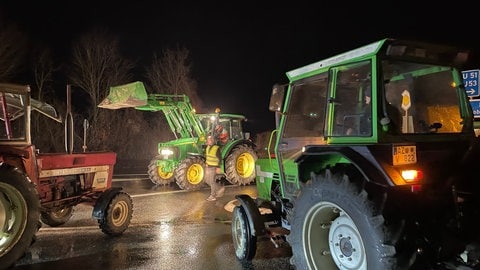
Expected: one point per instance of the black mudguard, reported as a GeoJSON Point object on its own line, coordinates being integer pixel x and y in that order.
{"type": "Point", "coordinates": [255, 219]}
{"type": "Point", "coordinates": [102, 203]}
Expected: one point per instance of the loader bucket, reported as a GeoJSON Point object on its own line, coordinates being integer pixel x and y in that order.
{"type": "Point", "coordinates": [125, 96]}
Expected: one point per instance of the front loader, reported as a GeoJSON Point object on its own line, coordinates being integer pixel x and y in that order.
{"type": "Point", "coordinates": [182, 159]}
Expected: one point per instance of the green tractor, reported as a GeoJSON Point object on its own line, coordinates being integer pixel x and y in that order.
{"type": "Point", "coordinates": [372, 164]}
{"type": "Point", "coordinates": [182, 159]}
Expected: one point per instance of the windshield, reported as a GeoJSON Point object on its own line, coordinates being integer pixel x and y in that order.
{"type": "Point", "coordinates": [233, 125]}
{"type": "Point", "coordinates": [421, 98]}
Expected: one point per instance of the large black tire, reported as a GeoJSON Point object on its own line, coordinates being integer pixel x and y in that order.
{"type": "Point", "coordinates": [244, 242]}
{"type": "Point", "coordinates": [157, 175]}
{"type": "Point", "coordinates": [57, 216]}
{"type": "Point", "coordinates": [19, 215]}
{"type": "Point", "coordinates": [240, 165]}
{"type": "Point", "coordinates": [190, 174]}
{"type": "Point", "coordinates": [117, 215]}
{"type": "Point", "coordinates": [335, 226]}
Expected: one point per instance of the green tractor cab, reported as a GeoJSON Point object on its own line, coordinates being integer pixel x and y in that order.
{"type": "Point", "coordinates": [371, 164]}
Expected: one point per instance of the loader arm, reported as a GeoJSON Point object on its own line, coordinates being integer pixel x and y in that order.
{"type": "Point", "coordinates": [178, 110]}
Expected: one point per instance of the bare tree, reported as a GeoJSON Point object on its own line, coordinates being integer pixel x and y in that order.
{"type": "Point", "coordinates": [96, 66]}
{"type": "Point", "coordinates": [170, 73]}
{"type": "Point", "coordinates": [47, 134]}
{"type": "Point", "coordinates": [13, 48]}
{"type": "Point", "coordinates": [43, 71]}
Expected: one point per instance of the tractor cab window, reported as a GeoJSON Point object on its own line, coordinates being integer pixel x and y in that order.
{"type": "Point", "coordinates": [232, 127]}
{"type": "Point", "coordinates": [13, 118]}
{"type": "Point", "coordinates": [421, 98]}
{"type": "Point", "coordinates": [306, 112]}
{"type": "Point", "coordinates": [352, 100]}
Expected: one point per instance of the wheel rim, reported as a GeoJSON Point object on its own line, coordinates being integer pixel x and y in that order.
{"type": "Point", "coordinates": [195, 174]}
{"type": "Point", "coordinates": [62, 212]}
{"type": "Point", "coordinates": [346, 244]}
{"type": "Point", "coordinates": [238, 233]}
{"type": "Point", "coordinates": [13, 216]}
{"type": "Point", "coordinates": [162, 174]}
{"type": "Point", "coordinates": [245, 165]}
{"type": "Point", "coordinates": [120, 213]}
{"type": "Point", "coordinates": [331, 239]}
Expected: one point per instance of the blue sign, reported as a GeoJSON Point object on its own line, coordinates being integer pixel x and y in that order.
{"type": "Point", "coordinates": [475, 107]}
{"type": "Point", "coordinates": [471, 81]}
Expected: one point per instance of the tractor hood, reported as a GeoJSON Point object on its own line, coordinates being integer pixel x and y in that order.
{"type": "Point", "coordinates": [125, 96]}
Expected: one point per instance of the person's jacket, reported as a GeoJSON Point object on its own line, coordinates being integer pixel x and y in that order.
{"type": "Point", "coordinates": [212, 155]}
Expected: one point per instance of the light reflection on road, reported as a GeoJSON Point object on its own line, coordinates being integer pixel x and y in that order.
{"type": "Point", "coordinates": [170, 229]}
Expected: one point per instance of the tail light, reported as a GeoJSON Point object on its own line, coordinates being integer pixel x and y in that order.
{"type": "Point", "coordinates": [411, 176]}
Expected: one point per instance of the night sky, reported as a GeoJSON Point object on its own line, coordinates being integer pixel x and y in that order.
{"type": "Point", "coordinates": [240, 49]}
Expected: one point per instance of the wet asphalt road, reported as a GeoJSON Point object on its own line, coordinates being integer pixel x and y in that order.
{"type": "Point", "coordinates": [170, 229]}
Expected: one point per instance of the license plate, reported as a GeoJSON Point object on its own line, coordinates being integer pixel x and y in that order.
{"type": "Point", "coordinates": [406, 154]}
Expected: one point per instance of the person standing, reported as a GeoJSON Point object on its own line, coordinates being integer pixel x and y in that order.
{"type": "Point", "coordinates": [212, 167]}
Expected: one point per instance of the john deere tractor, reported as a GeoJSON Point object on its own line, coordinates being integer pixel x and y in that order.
{"type": "Point", "coordinates": [182, 159]}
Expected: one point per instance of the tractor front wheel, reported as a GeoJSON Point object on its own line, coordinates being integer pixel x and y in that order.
{"type": "Point", "coordinates": [57, 216]}
{"type": "Point", "coordinates": [117, 215]}
{"type": "Point", "coordinates": [158, 175]}
{"type": "Point", "coordinates": [190, 173]}
{"type": "Point", "coordinates": [240, 165]}
{"type": "Point", "coordinates": [244, 242]}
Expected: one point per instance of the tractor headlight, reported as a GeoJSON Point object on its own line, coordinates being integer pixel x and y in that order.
{"type": "Point", "coordinates": [166, 152]}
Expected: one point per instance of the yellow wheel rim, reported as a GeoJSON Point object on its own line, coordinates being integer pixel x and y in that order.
{"type": "Point", "coordinates": [162, 174]}
{"type": "Point", "coordinates": [195, 174]}
{"type": "Point", "coordinates": [245, 165]}
{"type": "Point", "coordinates": [120, 213]}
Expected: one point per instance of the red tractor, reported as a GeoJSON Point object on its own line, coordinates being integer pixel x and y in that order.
{"type": "Point", "coordinates": [38, 186]}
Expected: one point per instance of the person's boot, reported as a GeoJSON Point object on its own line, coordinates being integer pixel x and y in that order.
{"type": "Point", "coordinates": [220, 192]}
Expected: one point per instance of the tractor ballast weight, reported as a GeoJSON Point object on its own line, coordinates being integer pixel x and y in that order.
{"type": "Point", "coordinates": [182, 159]}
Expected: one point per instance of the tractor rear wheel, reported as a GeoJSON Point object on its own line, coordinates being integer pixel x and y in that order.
{"type": "Point", "coordinates": [336, 226]}
{"type": "Point", "coordinates": [190, 173]}
{"type": "Point", "coordinates": [240, 165]}
{"type": "Point", "coordinates": [19, 215]}
{"type": "Point", "coordinates": [157, 175]}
